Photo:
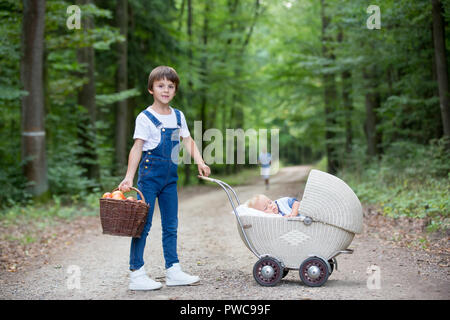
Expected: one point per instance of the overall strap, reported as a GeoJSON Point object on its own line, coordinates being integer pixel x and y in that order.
{"type": "Point", "coordinates": [152, 118]}
{"type": "Point", "coordinates": [178, 114]}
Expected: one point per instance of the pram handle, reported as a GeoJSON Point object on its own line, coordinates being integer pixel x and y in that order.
{"type": "Point", "coordinates": [222, 184]}
{"type": "Point", "coordinates": [226, 187]}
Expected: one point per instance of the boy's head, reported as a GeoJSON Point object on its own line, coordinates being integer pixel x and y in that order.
{"type": "Point", "coordinates": [262, 203]}
{"type": "Point", "coordinates": [161, 73]}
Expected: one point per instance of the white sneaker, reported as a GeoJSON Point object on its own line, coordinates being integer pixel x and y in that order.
{"type": "Point", "coordinates": [176, 277]}
{"type": "Point", "coordinates": [140, 281]}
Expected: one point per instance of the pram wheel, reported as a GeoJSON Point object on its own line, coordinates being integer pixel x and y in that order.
{"type": "Point", "coordinates": [314, 272]}
{"type": "Point", "coordinates": [268, 271]}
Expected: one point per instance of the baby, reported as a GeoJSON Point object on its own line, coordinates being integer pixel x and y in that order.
{"type": "Point", "coordinates": [285, 206]}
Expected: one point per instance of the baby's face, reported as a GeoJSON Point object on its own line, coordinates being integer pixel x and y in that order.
{"type": "Point", "coordinates": [266, 205]}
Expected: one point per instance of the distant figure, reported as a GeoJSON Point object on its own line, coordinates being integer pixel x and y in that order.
{"type": "Point", "coordinates": [265, 159]}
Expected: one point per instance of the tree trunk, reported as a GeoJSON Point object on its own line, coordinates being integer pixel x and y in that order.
{"type": "Point", "coordinates": [372, 102]}
{"type": "Point", "coordinates": [86, 98]}
{"type": "Point", "coordinates": [348, 109]}
{"type": "Point", "coordinates": [438, 128]}
{"type": "Point", "coordinates": [204, 69]}
{"type": "Point", "coordinates": [347, 102]}
{"type": "Point", "coordinates": [330, 96]}
{"type": "Point", "coordinates": [187, 168]}
{"type": "Point", "coordinates": [33, 127]}
{"type": "Point", "coordinates": [122, 112]}
{"type": "Point", "coordinates": [441, 64]}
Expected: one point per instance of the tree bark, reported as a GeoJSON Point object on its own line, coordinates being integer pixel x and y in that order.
{"type": "Point", "coordinates": [347, 102]}
{"type": "Point", "coordinates": [372, 102]}
{"type": "Point", "coordinates": [187, 168]}
{"type": "Point", "coordinates": [86, 98]}
{"type": "Point", "coordinates": [33, 110]}
{"type": "Point", "coordinates": [122, 112]}
{"type": "Point", "coordinates": [441, 64]}
{"type": "Point", "coordinates": [330, 96]}
{"type": "Point", "coordinates": [348, 109]}
{"type": "Point", "coordinates": [204, 69]}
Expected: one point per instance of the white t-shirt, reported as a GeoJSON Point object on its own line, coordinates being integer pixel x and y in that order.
{"type": "Point", "coordinates": [285, 205]}
{"type": "Point", "coordinates": [147, 131]}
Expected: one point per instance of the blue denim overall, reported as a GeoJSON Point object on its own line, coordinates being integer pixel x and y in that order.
{"type": "Point", "coordinates": [157, 178]}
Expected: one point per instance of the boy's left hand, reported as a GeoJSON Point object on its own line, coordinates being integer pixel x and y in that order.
{"type": "Point", "coordinates": [203, 169]}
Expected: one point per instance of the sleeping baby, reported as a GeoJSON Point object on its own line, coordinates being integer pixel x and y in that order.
{"type": "Point", "coordinates": [285, 206]}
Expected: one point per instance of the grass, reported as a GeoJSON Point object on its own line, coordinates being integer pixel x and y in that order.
{"type": "Point", "coordinates": [245, 176]}
{"type": "Point", "coordinates": [52, 209]}
{"type": "Point", "coordinates": [425, 199]}
{"type": "Point", "coordinates": [32, 219]}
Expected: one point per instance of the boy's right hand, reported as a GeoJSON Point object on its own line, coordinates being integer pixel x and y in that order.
{"type": "Point", "coordinates": [125, 185]}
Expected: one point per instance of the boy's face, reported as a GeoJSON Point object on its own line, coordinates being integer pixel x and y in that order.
{"type": "Point", "coordinates": [163, 91]}
{"type": "Point", "coordinates": [266, 205]}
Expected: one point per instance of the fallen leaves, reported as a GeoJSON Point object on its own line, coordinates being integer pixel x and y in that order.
{"type": "Point", "coordinates": [408, 233]}
{"type": "Point", "coordinates": [25, 242]}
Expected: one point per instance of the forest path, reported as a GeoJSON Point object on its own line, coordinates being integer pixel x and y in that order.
{"type": "Point", "coordinates": [209, 246]}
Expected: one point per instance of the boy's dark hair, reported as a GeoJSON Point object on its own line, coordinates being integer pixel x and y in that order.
{"type": "Point", "coordinates": [163, 72]}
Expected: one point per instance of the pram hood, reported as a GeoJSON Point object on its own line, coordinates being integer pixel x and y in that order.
{"type": "Point", "coordinates": [330, 200]}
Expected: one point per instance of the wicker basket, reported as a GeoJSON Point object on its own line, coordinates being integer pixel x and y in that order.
{"type": "Point", "coordinates": [123, 217]}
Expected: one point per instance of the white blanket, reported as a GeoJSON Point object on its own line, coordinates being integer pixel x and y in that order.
{"type": "Point", "coordinates": [246, 211]}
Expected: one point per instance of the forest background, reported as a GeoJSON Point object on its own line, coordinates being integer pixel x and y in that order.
{"type": "Point", "coordinates": [369, 105]}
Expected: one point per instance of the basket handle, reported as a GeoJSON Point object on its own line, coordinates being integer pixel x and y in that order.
{"type": "Point", "coordinates": [135, 189]}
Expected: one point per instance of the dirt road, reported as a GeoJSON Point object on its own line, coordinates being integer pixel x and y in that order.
{"type": "Point", "coordinates": [209, 246]}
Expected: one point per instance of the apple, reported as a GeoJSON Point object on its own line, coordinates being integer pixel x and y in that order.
{"type": "Point", "coordinates": [118, 195]}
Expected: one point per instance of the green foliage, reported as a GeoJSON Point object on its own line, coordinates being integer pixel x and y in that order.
{"type": "Point", "coordinates": [66, 176]}
{"type": "Point", "coordinates": [321, 164]}
{"type": "Point", "coordinates": [14, 184]}
{"type": "Point", "coordinates": [109, 99]}
{"type": "Point", "coordinates": [245, 176]}
{"type": "Point", "coordinates": [409, 180]}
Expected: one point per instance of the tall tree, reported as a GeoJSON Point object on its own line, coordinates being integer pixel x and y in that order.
{"type": "Point", "coordinates": [33, 127]}
{"type": "Point", "coordinates": [86, 99]}
{"type": "Point", "coordinates": [372, 103]}
{"type": "Point", "coordinates": [441, 64]}
{"type": "Point", "coordinates": [204, 67]}
{"type": "Point", "coordinates": [122, 112]}
{"type": "Point", "coordinates": [330, 93]}
{"type": "Point", "coordinates": [346, 101]}
{"type": "Point", "coordinates": [187, 168]}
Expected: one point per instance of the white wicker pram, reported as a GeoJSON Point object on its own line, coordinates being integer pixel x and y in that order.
{"type": "Point", "coordinates": [330, 215]}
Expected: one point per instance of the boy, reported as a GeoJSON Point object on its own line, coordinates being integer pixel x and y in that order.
{"type": "Point", "coordinates": [157, 135]}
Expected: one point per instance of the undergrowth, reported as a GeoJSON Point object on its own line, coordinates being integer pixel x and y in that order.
{"type": "Point", "coordinates": [409, 180]}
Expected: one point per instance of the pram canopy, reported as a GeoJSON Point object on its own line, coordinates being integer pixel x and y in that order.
{"type": "Point", "coordinates": [330, 200]}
